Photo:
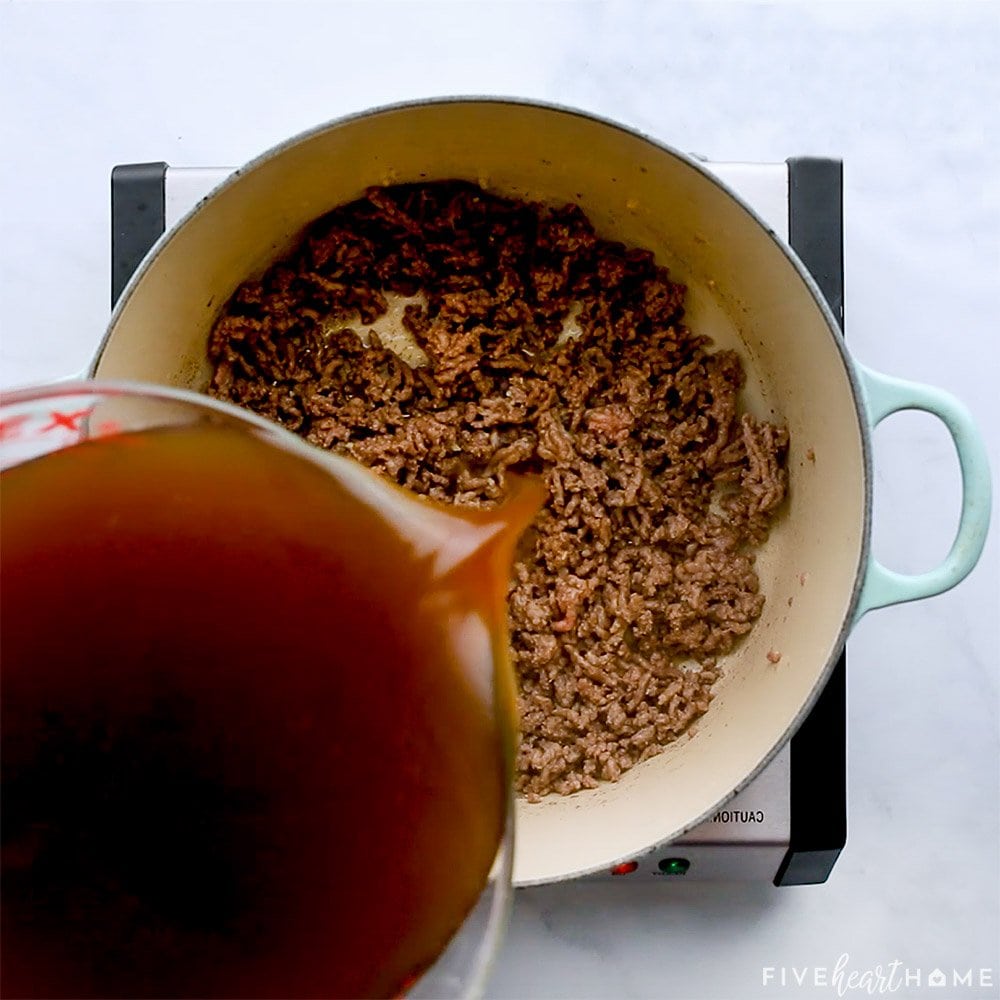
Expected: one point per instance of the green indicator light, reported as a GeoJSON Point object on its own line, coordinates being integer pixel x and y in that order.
{"type": "Point", "coordinates": [674, 866]}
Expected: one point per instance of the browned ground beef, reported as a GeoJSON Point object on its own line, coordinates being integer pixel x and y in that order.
{"type": "Point", "coordinates": [639, 572]}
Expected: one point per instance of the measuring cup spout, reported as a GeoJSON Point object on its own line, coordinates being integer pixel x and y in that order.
{"type": "Point", "coordinates": [451, 538]}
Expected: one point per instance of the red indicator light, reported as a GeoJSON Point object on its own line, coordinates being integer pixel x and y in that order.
{"type": "Point", "coordinates": [625, 868]}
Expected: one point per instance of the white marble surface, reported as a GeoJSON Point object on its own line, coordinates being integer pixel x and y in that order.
{"type": "Point", "coordinates": [907, 95]}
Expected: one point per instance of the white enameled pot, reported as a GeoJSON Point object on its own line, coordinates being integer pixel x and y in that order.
{"type": "Point", "coordinates": [747, 290]}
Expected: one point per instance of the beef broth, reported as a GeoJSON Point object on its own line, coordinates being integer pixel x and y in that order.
{"type": "Point", "coordinates": [252, 746]}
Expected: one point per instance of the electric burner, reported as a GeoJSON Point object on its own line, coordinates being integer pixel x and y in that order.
{"type": "Point", "coordinates": [789, 824]}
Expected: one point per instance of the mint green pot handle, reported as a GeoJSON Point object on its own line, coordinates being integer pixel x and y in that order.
{"type": "Point", "coordinates": [884, 395]}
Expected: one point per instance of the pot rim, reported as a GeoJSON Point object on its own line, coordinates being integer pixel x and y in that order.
{"type": "Point", "coordinates": [833, 329]}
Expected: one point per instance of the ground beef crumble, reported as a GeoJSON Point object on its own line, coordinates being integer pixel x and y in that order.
{"type": "Point", "coordinates": [639, 571]}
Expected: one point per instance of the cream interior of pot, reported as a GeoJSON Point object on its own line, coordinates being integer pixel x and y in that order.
{"type": "Point", "coordinates": [743, 292]}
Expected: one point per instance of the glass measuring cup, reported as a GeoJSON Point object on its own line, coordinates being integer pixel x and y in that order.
{"type": "Point", "coordinates": [471, 552]}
